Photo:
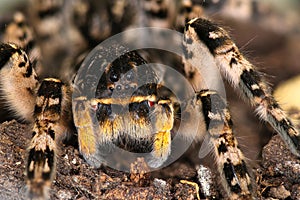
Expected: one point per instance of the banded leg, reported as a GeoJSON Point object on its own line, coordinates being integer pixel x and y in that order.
{"type": "Point", "coordinates": [229, 158]}
{"type": "Point", "coordinates": [47, 128]}
{"type": "Point", "coordinates": [202, 35]}
{"type": "Point", "coordinates": [18, 81]}
{"type": "Point", "coordinates": [20, 33]}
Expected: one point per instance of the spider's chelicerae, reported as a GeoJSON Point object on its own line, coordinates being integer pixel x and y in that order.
{"type": "Point", "coordinates": [54, 42]}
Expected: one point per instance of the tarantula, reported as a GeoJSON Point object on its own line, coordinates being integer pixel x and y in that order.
{"type": "Point", "coordinates": [150, 122]}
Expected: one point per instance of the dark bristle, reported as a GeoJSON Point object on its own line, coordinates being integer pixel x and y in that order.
{"type": "Point", "coordinates": [6, 51]}
{"type": "Point", "coordinates": [203, 29]}
{"type": "Point", "coordinates": [50, 89]}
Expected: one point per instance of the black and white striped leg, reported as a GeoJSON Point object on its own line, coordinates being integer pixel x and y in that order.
{"type": "Point", "coordinates": [47, 128]}
{"type": "Point", "coordinates": [202, 37]}
{"type": "Point", "coordinates": [229, 158]}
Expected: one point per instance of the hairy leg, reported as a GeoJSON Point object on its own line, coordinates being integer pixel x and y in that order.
{"type": "Point", "coordinates": [47, 129]}
{"type": "Point", "coordinates": [229, 158]}
{"type": "Point", "coordinates": [18, 81]}
{"type": "Point", "coordinates": [202, 37]}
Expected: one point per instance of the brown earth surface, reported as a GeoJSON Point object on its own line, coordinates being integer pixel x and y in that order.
{"type": "Point", "coordinates": [277, 176]}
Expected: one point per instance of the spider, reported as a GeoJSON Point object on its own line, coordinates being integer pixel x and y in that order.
{"type": "Point", "coordinates": [151, 120]}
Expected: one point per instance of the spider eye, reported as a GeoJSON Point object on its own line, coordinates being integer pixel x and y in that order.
{"type": "Point", "coordinates": [129, 76]}
{"type": "Point", "coordinates": [151, 103]}
{"type": "Point", "coordinates": [113, 76]}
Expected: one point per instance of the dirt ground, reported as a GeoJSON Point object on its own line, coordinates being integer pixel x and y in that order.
{"type": "Point", "coordinates": [277, 176]}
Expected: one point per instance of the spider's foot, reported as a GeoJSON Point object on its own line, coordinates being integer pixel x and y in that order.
{"type": "Point", "coordinates": [161, 149]}
{"type": "Point", "coordinates": [156, 162]}
{"type": "Point", "coordinates": [88, 147]}
{"type": "Point", "coordinates": [230, 159]}
{"type": "Point", "coordinates": [163, 124]}
{"type": "Point", "coordinates": [40, 170]}
{"type": "Point", "coordinates": [88, 143]}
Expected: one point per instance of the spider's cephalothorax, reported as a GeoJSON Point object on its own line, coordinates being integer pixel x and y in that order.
{"type": "Point", "coordinates": [132, 109]}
